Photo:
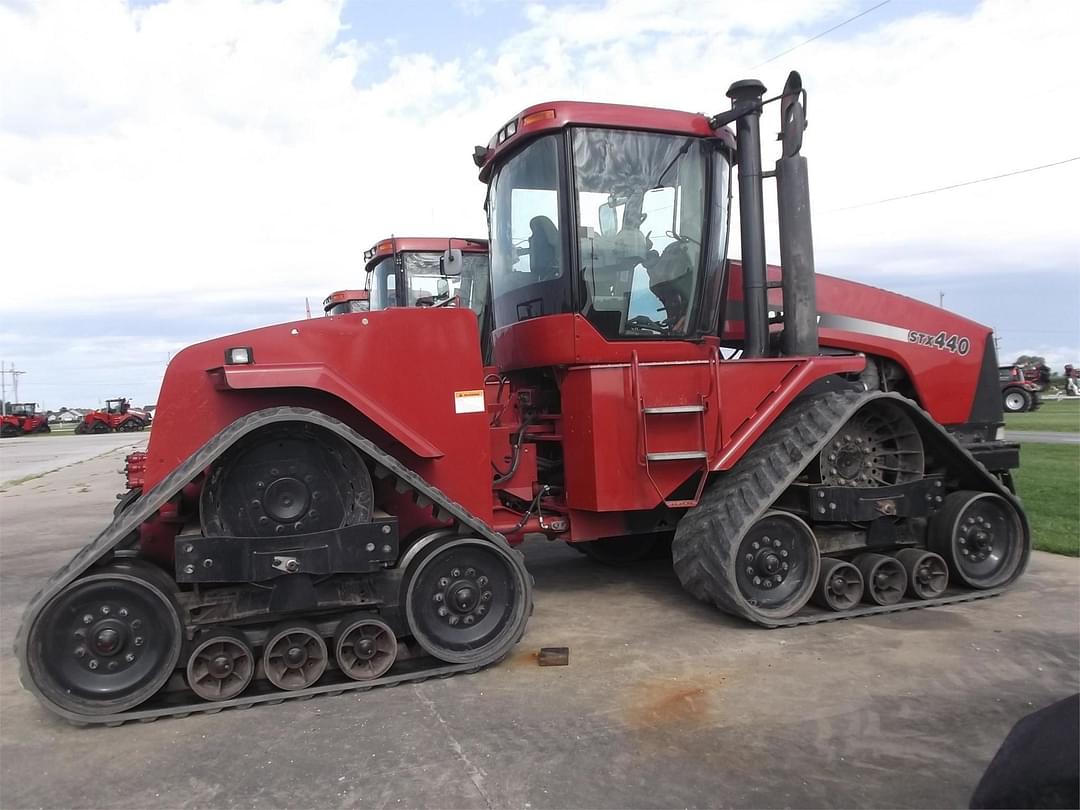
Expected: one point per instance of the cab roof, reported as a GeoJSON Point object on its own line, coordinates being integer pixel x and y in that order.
{"type": "Point", "coordinates": [345, 295]}
{"type": "Point", "coordinates": [405, 244]}
{"type": "Point", "coordinates": [554, 115]}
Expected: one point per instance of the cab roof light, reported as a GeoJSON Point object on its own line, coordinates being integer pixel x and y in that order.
{"type": "Point", "coordinates": [537, 117]}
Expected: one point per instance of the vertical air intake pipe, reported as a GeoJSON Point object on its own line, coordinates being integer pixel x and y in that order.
{"type": "Point", "coordinates": [800, 336]}
{"type": "Point", "coordinates": [745, 98]}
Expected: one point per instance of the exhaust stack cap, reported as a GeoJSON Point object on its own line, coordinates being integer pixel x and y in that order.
{"type": "Point", "coordinates": [745, 90]}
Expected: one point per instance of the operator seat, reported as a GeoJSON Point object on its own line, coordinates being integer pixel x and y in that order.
{"type": "Point", "coordinates": [544, 249]}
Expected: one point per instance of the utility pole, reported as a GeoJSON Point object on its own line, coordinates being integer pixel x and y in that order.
{"type": "Point", "coordinates": [941, 299]}
{"type": "Point", "coordinates": [3, 390]}
{"type": "Point", "coordinates": [14, 383]}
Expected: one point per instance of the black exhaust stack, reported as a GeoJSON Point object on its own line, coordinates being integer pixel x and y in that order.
{"type": "Point", "coordinates": [745, 98]}
{"type": "Point", "coordinates": [800, 336]}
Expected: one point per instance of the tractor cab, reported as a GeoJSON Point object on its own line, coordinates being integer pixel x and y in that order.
{"type": "Point", "coordinates": [428, 272]}
{"type": "Point", "coordinates": [612, 215]}
{"type": "Point", "coordinates": [24, 408]}
{"type": "Point", "coordinates": [116, 406]}
{"type": "Point", "coordinates": [343, 302]}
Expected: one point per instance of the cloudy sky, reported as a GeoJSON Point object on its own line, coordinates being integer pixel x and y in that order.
{"type": "Point", "coordinates": [171, 171]}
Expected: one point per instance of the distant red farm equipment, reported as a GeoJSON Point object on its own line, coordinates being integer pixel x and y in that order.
{"type": "Point", "coordinates": [116, 416]}
{"type": "Point", "coordinates": [23, 419]}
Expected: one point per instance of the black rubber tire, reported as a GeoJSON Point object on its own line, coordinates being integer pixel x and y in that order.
{"type": "Point", "coordinates": [950, 525]}
{"type": "Point", "coordinates": [884, 577]}
{"type": "Point", "coordinates": [126, 500]}
{"type": "Point", "coordinates": [81, 429]}
{"type": "Point", "coordinates": [43, 428]}
{"type": "Point", "coordinates": [150, 592]}
{"type": "Point", "coordinates": [101, 427]}
{"type": "Point", "coordinates": [488, 638]}
{"type": "Point", "coordinates": [9, 431]}
{"type": "Point", "coordinates": [1015, 400]}
{"type": "Point", "coordinates": [927, 572]}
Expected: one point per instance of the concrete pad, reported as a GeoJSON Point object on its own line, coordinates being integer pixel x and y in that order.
{"type": "Point", "coordinates": [46, 452]}
{"type": "Point", "coordinates": [665, 702]}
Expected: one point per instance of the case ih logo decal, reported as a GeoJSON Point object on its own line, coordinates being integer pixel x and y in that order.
{"type": "Point", "coordinates": [947, 343]}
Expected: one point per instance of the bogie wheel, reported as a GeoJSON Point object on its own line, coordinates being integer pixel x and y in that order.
{"type": "Point", "coordinates": [81, 429]}
{"type": "Point", "coordinates": [108, 641]}
{"type": "Point", "coordinates": [364, 647]}
{"type": "Point", "coordinates": [284, 480]}
{"type": "Point", "coordinates": [100, 427]}
{"type": "Point", "coordinates": [885, 578]}
{"type": "Point", "coordinates": [618, 551]}
{"type": "Point", "coordinates": [879, 446]}
{"type": "Point", "coordinates": [777, 566]}
{"type": "Point", "coordinates": [221, 665]}
{"type": "Point", "coordinates": [43, 428]}
{"type": "Point", "coordinates": [1016, 400]}
{"type": "Point", "coordinates": [294, 656]}
{"type": "Point", "coordinates": [928, 575]}
{"type": "Point", "coordinates": [9, 431]}
{"type": "Point", "coordinates": [840, 585]}
{"type": "Point", "coordinates": [467, 600]}
{"type": "Point", "coordinates": [982, 538]}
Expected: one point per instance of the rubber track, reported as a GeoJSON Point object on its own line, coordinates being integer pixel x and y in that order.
{"type": "Point", "coordinates": [708, 535]}
{"type": "Point", "coordinates": [143, 508]}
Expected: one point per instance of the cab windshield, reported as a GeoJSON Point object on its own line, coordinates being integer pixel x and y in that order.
{"type": "Point", "coordinates": [345, 307]}
{"type": "Point", "coordinates": [647, 230]}
{"type": "Point", "coordinates": [428, 286]}
{"type": "Point", "coordinates": [641, 212]}
{"type": "Point", "coordinates": [382, 284]}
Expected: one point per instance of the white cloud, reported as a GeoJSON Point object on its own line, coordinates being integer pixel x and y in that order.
{"type": "Point", "coordinates": [203, 151]}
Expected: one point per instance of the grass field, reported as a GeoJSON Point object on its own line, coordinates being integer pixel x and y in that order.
{"type": "Point", "coordinates": [1061, 416]}
{"type": "Point", "coordinates": [1048, 481]}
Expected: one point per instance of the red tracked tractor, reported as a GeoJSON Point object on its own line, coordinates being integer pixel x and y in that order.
{"type": "Point", "coordinates": [333, 504]}
{"type": "Point", "coordinates": [23, 420]}
{"type": "Point", "coordinates": [117, 415]}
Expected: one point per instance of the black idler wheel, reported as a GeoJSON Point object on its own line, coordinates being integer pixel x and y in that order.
{"type": "Point", "coordinates": [108, 641]}
{"type": "Point", "coordinates": [777, 565]}
{"type": "Point", "coordinates": [928, 575]}
{"type": "Point", "coordinates": [879, 446]}
{"type": "Point", "coordinates": [221, 666]}
{"type": "Point", "coordinates": [840, 585]}
{"type": "Point", "coordinates": [286, 480]}
{"type": "Point", "coordinates": [365, 647]}
{"type": "Point", "coordinates": [981, 537]}
{"type": "Point", "coordinates": [885, 578]}
{"type": "Point", "coordinates": [294, 656]}
{"type": "Point", "coordinates": [467, 600]}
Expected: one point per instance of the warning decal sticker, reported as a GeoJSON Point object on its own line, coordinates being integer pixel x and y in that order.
{"type": "Point", "coordinates": [468, 402]}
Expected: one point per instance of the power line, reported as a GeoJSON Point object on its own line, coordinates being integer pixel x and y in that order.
{"type": "Point", "coordinates": [957, 185]}
{"type": "Point", "coordinates": [823, 33]}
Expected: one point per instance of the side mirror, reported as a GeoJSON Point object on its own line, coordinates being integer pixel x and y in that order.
{"type": "Point", "coordinates": [609, 220]}
{"type": "Point", "coordinates": [450, 263]}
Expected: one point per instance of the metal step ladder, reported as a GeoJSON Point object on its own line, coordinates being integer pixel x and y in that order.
{"type": "Point", "coordinates": [647, 457]}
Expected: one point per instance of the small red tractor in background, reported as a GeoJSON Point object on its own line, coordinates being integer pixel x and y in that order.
{"type": "Point", "coordinates": [334, 504]}
{"type": "Point", "coordinates": [117, 415]}
{"type": "Point", "coordinates": [343, 302]}
{"type": "Point", "coordinates": [410, 271]}
{"type": "Point", "coordinates": [1018, 393]}
{"type": "Point", "coordinates": [23, 419]}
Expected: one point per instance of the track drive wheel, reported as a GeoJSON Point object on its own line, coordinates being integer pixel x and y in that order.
{"type": "Point", "coordinates": [879, 446]}
{"type": "Point", "coordinates": [467, 600]}
{"type": "Point", "coordinates": [221, 665]}
{"type": "Point", "coordinates": [840, 585]}
{"type": "Point", "coordinates": [286, 479]}
{"type": "Point", "coordinates": [885, 578]}
{"type": "Point", "coordinates": [365, 647]}
{"type": "Point", "coordinates": [981, 537]}
{"type": "Point", "coordinates": [108, 641]}
{"type": "Point", "coordinates": [81, 429]}
{"type": "Point", "coordinates": [294, 656]}
{"type": "Point", "coordinates": [928, 575]}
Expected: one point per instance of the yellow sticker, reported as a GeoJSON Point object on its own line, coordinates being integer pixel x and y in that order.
{"type": "Point", "coordinates": [468, 402]}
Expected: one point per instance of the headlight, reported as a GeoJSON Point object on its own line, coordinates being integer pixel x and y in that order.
{"type": "Point", "coordinates": [239, 356]}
